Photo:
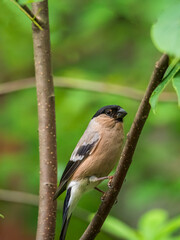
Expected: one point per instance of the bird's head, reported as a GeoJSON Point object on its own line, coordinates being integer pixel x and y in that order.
{"type": "Point", "coordinates": [113, 111]}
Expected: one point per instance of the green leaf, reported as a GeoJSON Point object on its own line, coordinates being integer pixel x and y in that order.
{"type": "Point", "coordinates": [171, 67]}
{"type": "Point", "coordinates": [166, 32]}
{"type": "Point", "coordinates": [176, 85]}
{"type": "Point", "coordinates": [28, 1]}
{"type": "Point", "coordinates": [171, 227]}
{"type": "Point", "coordinates": [151, 223]}
{"type": "Point", "coordinates": [117, 228]}
{"type": "Point", "coordinates": [120, 229]}
{"type": "Point", "coordinates": [169, 75]}
{"type": "Point", "coordinates": [174, 238]}
{"type": "Point", "coordinates": [1, 216]}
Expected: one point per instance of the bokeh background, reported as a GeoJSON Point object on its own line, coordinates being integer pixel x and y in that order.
{"type": "Point", "coordinates": [100, 41]}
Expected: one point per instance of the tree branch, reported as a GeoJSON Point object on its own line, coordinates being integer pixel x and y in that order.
{"type": "Point", "coordinates": [29, 14]}
{"type": "Point", "coordinates": [47, 127]}
{"type": "Point", "coordinates": [33, 200]}
{"type": "Point", "coordinates": [19, 197]}
{"type": "Point", "coordinates": [85, 85]}
{"type": "Point", "coordinates": [126, 157]}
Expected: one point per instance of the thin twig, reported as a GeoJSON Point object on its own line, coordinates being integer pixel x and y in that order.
{"type": "Point", "coordinates": [85, 85]}
{"type": "Point", "coordinates": [126, 157]}
{"type": "Point", "coordinates": [47, 125]}
{"type": "Point", "coordinates": [33, 200]}
{"type": "Point", "coordinates": [29, 14]}
{"type": "Point", "coordinates": [19, 197]}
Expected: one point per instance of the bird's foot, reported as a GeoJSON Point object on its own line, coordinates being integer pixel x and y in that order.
{"type": "Point", "coordinates": [110, 181]}
{"type": "Point", "coordinates": [96, 179]}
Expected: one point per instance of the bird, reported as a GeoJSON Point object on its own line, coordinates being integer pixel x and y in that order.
{"type": "Point", "coordinates": [93, 158]}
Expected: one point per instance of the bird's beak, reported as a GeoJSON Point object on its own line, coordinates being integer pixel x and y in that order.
{"type": "Point", "coordinates": [121, 113]}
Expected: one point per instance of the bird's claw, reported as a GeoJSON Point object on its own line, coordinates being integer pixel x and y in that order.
{"type": "Point", "coordinates": [110, 181]}
{"type": "Point", "coordinates": [110, 186]}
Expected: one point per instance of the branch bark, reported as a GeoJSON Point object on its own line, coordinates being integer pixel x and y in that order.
{"type": "Point", "coordinates": [47, 127]}
{"type": "Point", "coordinates": [126, 157]}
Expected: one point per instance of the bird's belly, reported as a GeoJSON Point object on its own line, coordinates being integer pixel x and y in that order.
{"type": "Point", "coordinates": [83, 185]}
{"type": "Point", "coordinates": [105, 165]}
{"type": "Point", "coordinates": [103, 159]}
{"type": "Point", "coordinates": [100, 166]}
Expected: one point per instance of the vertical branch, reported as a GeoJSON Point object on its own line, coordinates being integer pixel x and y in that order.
{"type": "Point", "coordinates": [126, 156]}
{"type": "Point", "coordinates": [47, 128]}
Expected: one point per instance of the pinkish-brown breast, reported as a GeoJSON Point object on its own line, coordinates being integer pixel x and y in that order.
{"type": "Point", "coordinates": [107, 152]}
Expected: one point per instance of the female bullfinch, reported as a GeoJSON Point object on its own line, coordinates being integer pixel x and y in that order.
{"type": "Point", "coordinates": [92, 160]}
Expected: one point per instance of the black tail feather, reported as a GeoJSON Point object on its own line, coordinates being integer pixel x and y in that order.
{"type": "Point", "coordinates": [64, 228]}
{"type": "Point", "coordinates": [66, 218]}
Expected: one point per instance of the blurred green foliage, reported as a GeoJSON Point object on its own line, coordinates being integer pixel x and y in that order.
{"type": "Point", "coordinates": [108, 41]}
{"type": "Point", "coordinates": [1, 216]}
{"type": "Point", "coordinates": [166, 32]}
{"type": "Point", "coordinates": [153, 225]}
{"type": "Point", "coordinates": [176, 85]}
{"type": "Point", "coordinates": [171, 75]}
{"type": "Point", "coordinates": [166, 36]}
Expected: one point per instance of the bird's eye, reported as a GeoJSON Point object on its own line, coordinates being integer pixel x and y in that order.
{"type": "Point", "coordinates": [108, 112]}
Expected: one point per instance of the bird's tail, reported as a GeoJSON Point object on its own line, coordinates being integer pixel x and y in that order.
{"type": "Point", "coordinates": [66, 215]}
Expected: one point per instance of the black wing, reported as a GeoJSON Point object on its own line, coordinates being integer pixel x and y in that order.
{"type": "Point", "coordinates": [83, 149]}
